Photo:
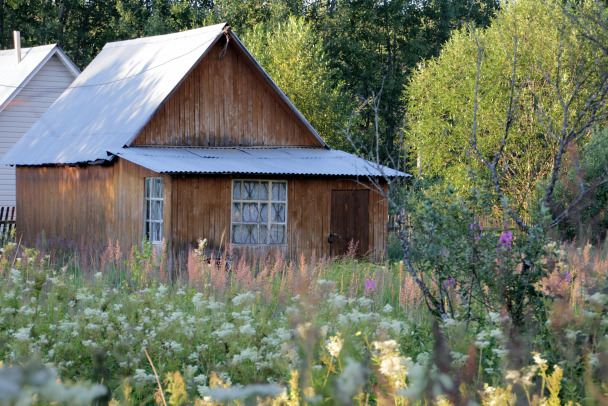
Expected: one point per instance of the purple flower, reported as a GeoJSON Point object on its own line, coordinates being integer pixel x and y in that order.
{"type": "Point", "coordinates": [474, 226]}
{"type": "Point", "coordinates": [370, 287]}
{"type": "Point", "coordinates": [449, 282]}
{"type": "Point", "coordinates": [506, 239]}
{"type": "Point", "coordinates": [568, 276]}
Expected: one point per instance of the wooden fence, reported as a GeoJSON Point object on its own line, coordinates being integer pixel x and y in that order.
{"type": "Point", "coordinates": [7, 222]}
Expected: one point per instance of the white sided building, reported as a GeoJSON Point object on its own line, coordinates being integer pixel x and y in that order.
{"type": "Point", "coordinates": [30, 82]}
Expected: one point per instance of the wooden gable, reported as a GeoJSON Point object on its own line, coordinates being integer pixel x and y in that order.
{"type": "Point", "coordinates": [226, 101]}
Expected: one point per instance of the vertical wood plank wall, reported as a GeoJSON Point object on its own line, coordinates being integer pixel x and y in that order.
{"type": "Point", "coordinates": [92, 204]}
{"type": "Point", "coordinates": [225, 102]}
{"type": "Point", "coordinates": [85, 205]}
{"type": "Point", "coordinates": [202, 209]}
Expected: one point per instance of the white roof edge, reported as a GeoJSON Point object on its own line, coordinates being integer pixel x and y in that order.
{"type": "Point", "coordinates": [277, 89]}
{"type": "Point", "coordinates": [69, 64]}
{"type": "Point", "coordinates": [56, 49]}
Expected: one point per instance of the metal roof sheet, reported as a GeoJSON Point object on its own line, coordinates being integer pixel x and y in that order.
{"type": "Point", "coordinates": [113, 98]}
{"type": "Point", "coordinates": [254, 160]}
{"type": "Point", "coordinates": [116, 95]}
{"type": "Point", "coordinates": [14, 76]}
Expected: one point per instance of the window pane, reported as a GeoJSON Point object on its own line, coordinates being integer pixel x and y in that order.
{"type": "Point", "coordinates": [237, 234]}
{"type": "Point", "coordinates": [237, 214]}
{"type": "Point", "coordinates": [157, 232]}
{"type": "Point", "coordinates": [279, 191]}
{"type": "Point", "coordinates": [277, 234]}
{"type": "Point", "coordinates": [263, 213]}
{"type": "Point", "coordinates": [264, 191]}
{"type": "Point", "coordinates": [160, 232]}
{"type": "Point", "coordinates": [250, 234]}
{"type": "Point", "coordinates": [278, 213]}
{"type": "Point", "coordinates": [250, 212]}
{"type": "Point", "coordinates": [236, 190]}
{"type": "Point", "coordinates": [157, 210]}
{"type": "Point", "coordinates": [147, 192]}
{"type": "Point", "coordinates": [263, 234]}
{"type": "Point", "coordinates": [158, 187]}
{"type": "Point", "coordinates": [251, 190]}
{"type": "Point", "coordinates": [153, 227]}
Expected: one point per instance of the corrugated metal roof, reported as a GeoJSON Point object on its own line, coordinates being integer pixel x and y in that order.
{"type": "Point", "coordinates": [14, 76]}
{"type": "Point", "coordinates": [254, 160]}
{"type": "Point", "coordinates": [115, 96]}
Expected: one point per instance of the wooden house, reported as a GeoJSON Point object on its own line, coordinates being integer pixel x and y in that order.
{"type": "Point", "coordinates": [31, 79]}
{"type": "Point", "coordinates": [184, 136]}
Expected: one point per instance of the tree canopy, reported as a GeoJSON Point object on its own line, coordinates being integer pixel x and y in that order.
{"type": "Point", "coordinates": [525, 90]}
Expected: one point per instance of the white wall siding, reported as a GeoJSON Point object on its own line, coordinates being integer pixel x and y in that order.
{"type": "Point", "coordinates": [24, 110]}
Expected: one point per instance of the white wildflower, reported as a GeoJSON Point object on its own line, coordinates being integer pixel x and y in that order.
{"type": "Point", "coordinates": [598, 298]}
{"type": "Point", "coordinates": [538, 360]}
{"type": "Point", "coordinates": [248, 354]}
{"type": "Point", "coordinates": [497, 334]}
{"type": "Point", "coordinates": [350, 380]}
{"type": "Point", "coordinates": [23, 334]}
{"type": "Point", "coordinates": [241, 392]}
{"type": "Point", "coordinates": [334, 345]}
{"type": "Point", "coordinates": [200, 379]}
{"type": "Point", "coordinates": [337, 301]}
{"type": "Point", "coordinates": [244, 299]}
{"type": "Point", "coordinates": [387, 308]}
{"type": "Point", "coordinates": [224, 331]}
{"type": "Point", "coordinates": [500, 352]}
{"type": "Point", "coordinates": [247, 329]}
{"type": "Point", "coordinates": [15, 275]}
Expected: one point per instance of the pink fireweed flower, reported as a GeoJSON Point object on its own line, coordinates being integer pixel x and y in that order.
{"type": "Point", "coordinates": [370, 287]}
{"type": "Point", "coordinates": [506, 239]}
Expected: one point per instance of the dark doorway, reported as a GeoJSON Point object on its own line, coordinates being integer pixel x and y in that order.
{"type": "Point", "coordinates": [349, 221]}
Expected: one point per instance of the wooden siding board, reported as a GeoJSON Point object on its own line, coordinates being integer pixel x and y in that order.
{"type": "Point", "coordinates": [225, 102]}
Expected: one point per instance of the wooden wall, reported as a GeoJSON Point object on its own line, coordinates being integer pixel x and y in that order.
{"type": "Point", "coordinates": [201, 209]}
{"type": "Point", "coordinates": [225, 102]}
{"type": "Point", "coordinates": [88, 205]}
{"type": "Point", "coordinates": [84, 205]}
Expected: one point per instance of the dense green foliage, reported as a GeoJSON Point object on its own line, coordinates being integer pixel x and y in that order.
{"type": "Point", "coordinates": [524, 88]}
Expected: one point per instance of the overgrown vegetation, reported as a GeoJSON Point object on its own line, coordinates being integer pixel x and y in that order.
{"type": "Point", "coordinates": [482, 300]}
{"type": "Point", "coordinates": [338, 332]}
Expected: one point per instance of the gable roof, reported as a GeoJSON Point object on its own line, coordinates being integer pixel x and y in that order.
{"type": "Point", "coordinates": [113, 99]}
{"type": "Point", "coordinates": [255, 160]}
{"type": "Point", "coordinates": [14, 75]}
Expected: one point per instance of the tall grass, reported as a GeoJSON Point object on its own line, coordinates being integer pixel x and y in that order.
{"type": "Point", "coordinates": [338, 331]}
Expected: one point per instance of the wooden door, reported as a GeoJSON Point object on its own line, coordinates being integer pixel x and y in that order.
{"type": "Point", "coordinates": [349, 221]}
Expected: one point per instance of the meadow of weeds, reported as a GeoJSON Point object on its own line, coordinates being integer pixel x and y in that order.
{"type": "Point", "coordinates": [117, 329]}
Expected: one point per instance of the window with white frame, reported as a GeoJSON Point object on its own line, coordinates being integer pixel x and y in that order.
{"type": "Point", "coordinates": [154, 205]}
{"type": "Point", "coordinates": [259, 212]}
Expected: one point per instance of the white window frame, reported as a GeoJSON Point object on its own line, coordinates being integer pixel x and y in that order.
{"type": "Point", "coordinates": [268, 223]}
{"type": "Point", "coordinates": [148, 202]}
